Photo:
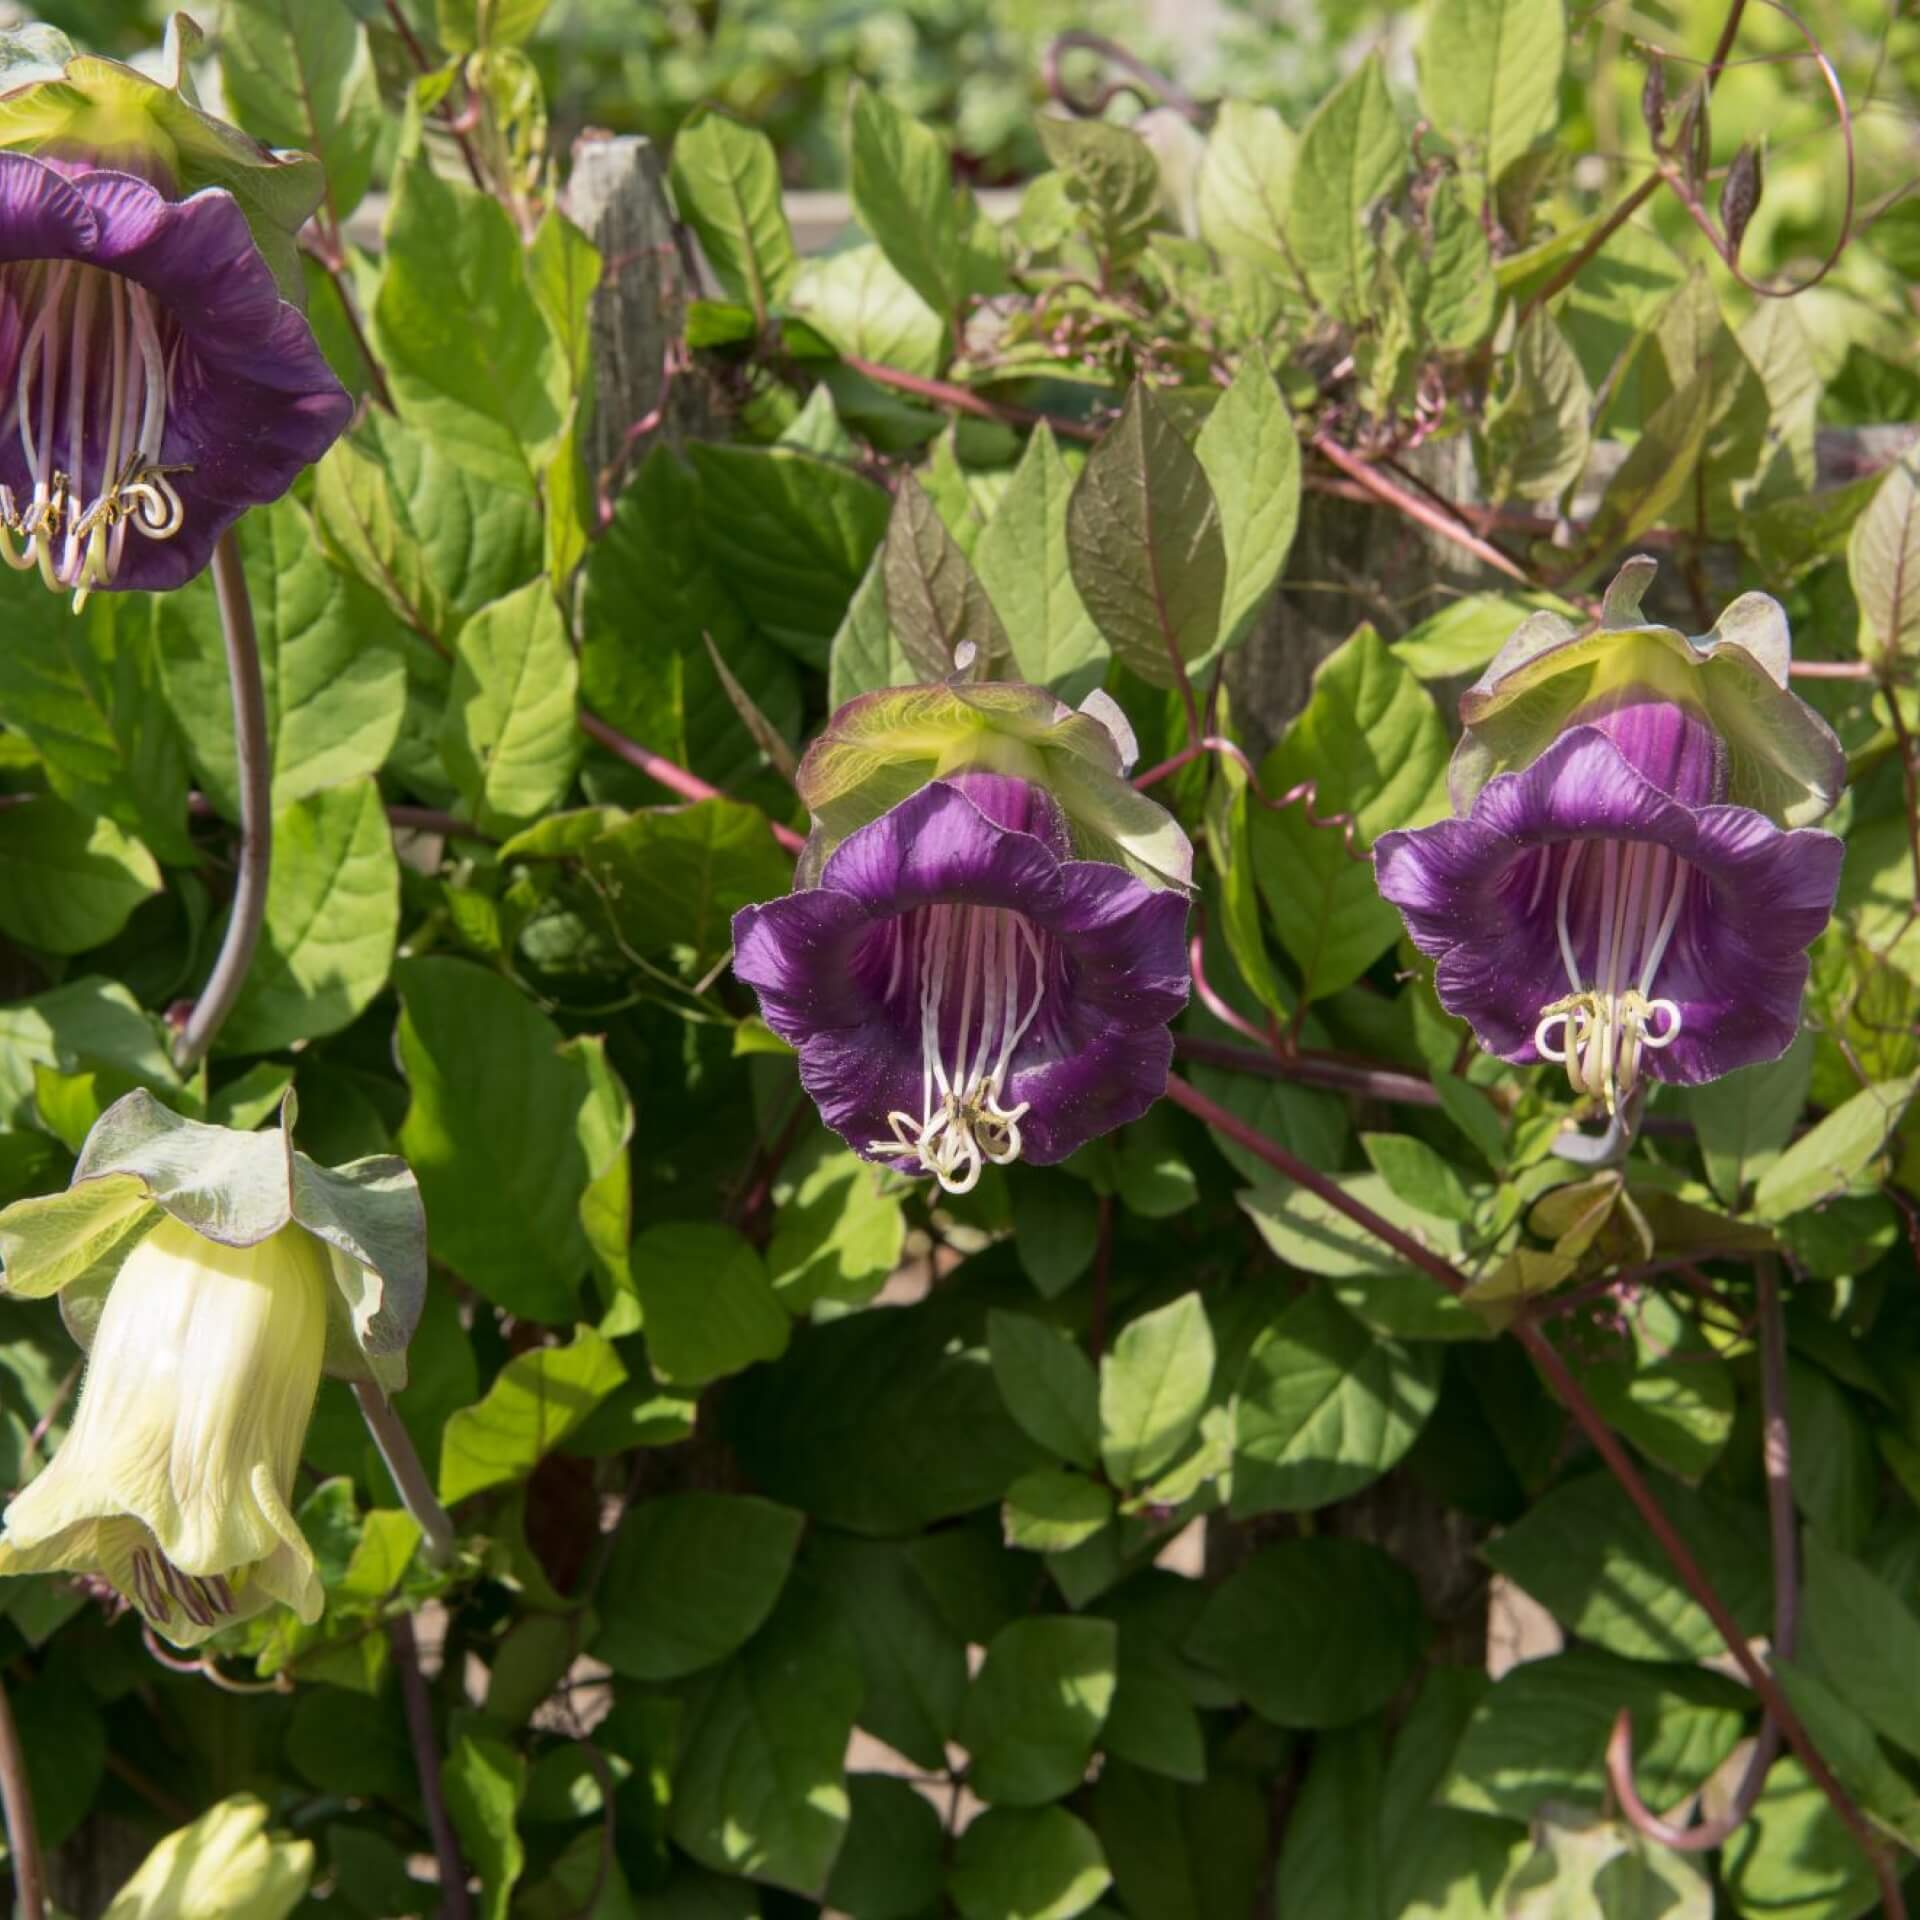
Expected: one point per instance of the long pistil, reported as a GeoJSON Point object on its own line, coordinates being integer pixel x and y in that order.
{"type": "Point", "coordinates": [972, 960]}
{"type": "Point", "coordinates": [89, 407]}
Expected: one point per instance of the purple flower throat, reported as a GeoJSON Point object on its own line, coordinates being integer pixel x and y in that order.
{"type": "Point", "coordinates": [89, 408]}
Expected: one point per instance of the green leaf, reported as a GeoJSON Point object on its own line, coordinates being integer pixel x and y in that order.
{"type": "Point", "coordinates": [1153, 1385]}
{"type": "Point", "coordinates": [1184, 1852]}
{"type": "Point", "coordinates": [901, 180]}
{"type": "Point", "coordinates": [1538, 428]}
{"type": "Point", "coordinates": [1023, 562]}
{"type": "Point", "coordinates": [1793, 1859]}
{"type": "Point", "coordinates": [88, 1024]}
{"type": "Point", "coordinates": [332, 918]}
{"type": "Point", "coordinates": [1860, 1636]}
{"type": "Point", "coordinates": [1145, 544]}
{"type": "Point", "coordinates": [1048, 1384]}
{"type": "Point", "coordinates": [837, 1230]}
{"type": "Point", "coordinates": [1036, 1708]}
{"type": "Point", "coordinates": [1599, 1865]}
{"type": "Point", "coordinates": [1246, 185]}
{"type": "Point", "coordinates": [330, 665]}
{"type": "Point", "coordinates": [1040, 1865]}
{"type": "Point", "coordinates": [710, 1308]}
{"type": "Point", "coordinates": [1421, 1177]}
{"type": "Point", "coordinates": [302, 77]}
{"type": "Point", "coordinates": [790, 535]}
{"type": "Point", "coordinates": [726, 182]}
{"type": "Point", "coordinates": [1586, 1555]}
{"type": "Point", "coordinates": [1744, 1120]}
{"type": "Point", "coordinates": [64, 1743]}
{"type": "Point", "coordinates": [675, 876]}
{"type": "Point", "coordinates": [935, 602]}
{"type": "Point", "coordinates": [494, 1131]}
{"type": "Point", "coordinates": [1313, 1633]}
{"type": "Point", "coordinates": [894, 1859]}
{"type": "Point", "coordinates": [484, 1780]}
{"type": "Point", "coordinates": [536, 1400]}
{"type": "Point", "coordinates": [467, 25]}
{"type": "Point", "coordinates": [1054, 1510]}
{"type": "Point", "coordinates": [85, 691]}
{"type": "Point", "coordinates": [865, 654]}
{"type": "Point", "coordinates": [1822, 1164]}
{"type": "Point", "coordinates": [1371, 745]}
{"type": "Point", "coordinates": [760, 1788]}
{"type": "Point", "coordinates": [1353, 153]}
{"type": "Point", "coordinates": [1541, 1733]}
{"type": "Point", "coordinates": [1056, 1227]}
{"type": "Point", "coordinates": [861, 305]}
{"type": "Point", "coordinates": [1252, 460]}
{"type": "Point", "coordinates": [1490, 75]}
{"type": "Point", "coordinates": [1883, 561]}
{"type": "Point", "coordinates": [1324, 1408]}
{"type": "Point", "coordinates": [68, 882]}
{"type": "Point", "coordinates": [1665, 1387]}
{"type": "Point", "coordinates": [1111, 173]}
{"type": "Point", "coordinates": [693, 1577]}
{"type": "Point", "coordinates": [470, 355]}
{"type": "Point", "coordinates": [1836, 1473]}
{"type": "Point", "coordinates": [509, 738]}
{"type": "Point", "coordinates": [1331, 1857]}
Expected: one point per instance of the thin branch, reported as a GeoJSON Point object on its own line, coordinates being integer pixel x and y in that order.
{"type": "Point", "coordinates": [23, 1837]}
{"type": "Point", "coordinates": [956, 399]}
{"type": "Point", "coordinates": [418, 55]}
{"type": "Point", "coordinates": [672, 776]}
{"type": "Point", "coordinates": [396, 1449]}
{"type": "Point", "coordinates": [1147, 83]}
{"type": "Point", "coordinates": [255, 775]}
{"type": "Point", "coordinates": [456, 1903]}
{"type": "Point", "coordinates": [1310, 1069]}
{"type": "Point", "coordinates": [326, 254]}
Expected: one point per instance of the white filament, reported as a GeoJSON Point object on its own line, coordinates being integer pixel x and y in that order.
{"type": "Point", "coordinates": [975, 955]}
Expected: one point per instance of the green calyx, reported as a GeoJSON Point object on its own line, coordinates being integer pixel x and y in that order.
{"type": "Point", "coordinates": [883, 747]}
{"type": "Point", "coordinates": [79, 107]}
{"type": "Point", "coordinates": [143, 1162]}
{"type": "Point", "coordinates": [1782, 758]}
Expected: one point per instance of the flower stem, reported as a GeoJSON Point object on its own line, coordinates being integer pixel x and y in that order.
{"type": "Point", "coordinates": [1568, 1391]}
{"type": "Point", "coordinates": [672, 776]}
{"type": "Point", "coordinates": [397, 1450]}
{"type": "Point", "coordinates": [455, 1901]}
{"type": "Point", "coordinates": [23, 1837]}
{"type": "Point", "coordinates": [253, 760]}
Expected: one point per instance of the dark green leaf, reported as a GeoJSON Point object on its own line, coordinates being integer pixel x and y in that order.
{"type": "Point", "coordinates": [1036, 1708]}
{"type": "Point", "coordinates": [726, 181]}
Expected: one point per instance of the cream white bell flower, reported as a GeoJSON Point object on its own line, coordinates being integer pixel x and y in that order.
{"type": "Point", "coordinates": [212, 1276]}
{"type": "Point", "coordinates": [225, 1866]}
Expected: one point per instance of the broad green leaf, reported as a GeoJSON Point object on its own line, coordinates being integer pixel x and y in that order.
{"type": "Point", "coordinates": [1824, 1163]}
{"type": "Point", "coordinates": [332, 918]}
{"type": "Point", "coordinates": [1145, 544]}
{"type": "Point", "coordinates": [837, 1229]}
{"type": "Point", "coordinates": [1586, 1555]}
{"type": "Point", "coordinates": [901, 179]}
{"type": "Point", "coordinates": [861, 305]}
{"type": "Point", "coordinates": [710, 1309]}
{"type": "Point", "coordinates": [760, 1788]}
{"type": "Point", "coordinates": [509, 737]}
{"type": "Point", "coordinates": [1036, 1708]}
{"type": "Point", "coordinates": [1665, 1387]}
{"type": "Point", "coordinates": [1054, 1510]}
{"type": "Point", "coordinates": [1883, 561]}
{"type": "Point", "coordinates": [1369, 745]}
{"type": "Point", "coordinates": [536, 1400]}
{"type": "Point", "coordinates": [1654, 476]}
{"type": "Point", "coordinates": [1022, 561]}
{"type": "Point", "coordinates": [1332, 1857]}
{"type": "Point", "coordinates": [1038, 1865]}
{"type": "Point", "coordinates": [470, 355]}
{"type": "Point", "coordinates": [1352, 154]}
{"type": "Point", "coordinates": [87, 1024]}
{"type": "Point", "coordinates": [1056, 1227]}
{"type": "Point", "coordinates": [1461, 296]}
{"type": "Point", "coordinates": [1153, 1385]}
{"type": "Point", "coordinates": [1184, 1852]}
{"type": "Point", "coordinates": [1246, 185]}
{"type": "Point", "coordinates": [485, 1779]}
{"type": "Point", "coordinates": [1588, 1862]}
{"type": "Point", "coordinates": [913, 1659]}
{"type": "Point", "coordinates": [693, 1577]}
{"type": "Point", "coordinates": [85, 691]}
{"type": "Point", "coordinates": [865, 654]}
{"type": "Point", "coordinates": [1423, 1178]}
{"type": "Point", "coordinates": [302, 76]}
{"type": "Point", "coordinates": [1252, 460]}
{"type": "Point", "coordinates": [1313, 1633]}
{"type": "Point", "coordinates": [494, 1133]}
{"type": "Point", "coordinates": [63, 1741]}
{"type": "Point", "coordinates": [1836, 1473]}
{"type": "Point", "coordinates": [1324, 1408]}
{"type": "Point", "coordinates": [1537, 431]}
{"type": "Point", "coordinates": [1110, 173]}
{"type": "Point", "coordinates": [1862, 1638]}
{"type": "Point", "coordinates": [1490, 74]}
{"type": "Point", "coordinates": [1152, 1723]}
{"type": "Point", "coordinates": [1793, 1859]}
{"type": "Point", "coordinates": [675, 876]}
{"type": "Point", "coordinates": [790, 536]}
{"type": "Point", "coordinates": [936, 605]}
{"type": "Point", "coordinates": [726, 182]}
{"type": "Point", "coordinates": [1541, 1733]}
{"type": "Point", "coordinates": [1745, 1120]}
{"type": "Point", "coordinates": [67, 881]}
{"type": "Point", "coordinates": [1048, 1384]}
{"type": "Point", "coordinates": [894, 1858]}
{"type": "Point", "coordinates": [433, 540]}
{"type": "Point", "coordinates": [330, 665]}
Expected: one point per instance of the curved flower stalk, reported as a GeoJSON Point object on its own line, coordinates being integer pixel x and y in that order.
{"type": "Point", "coordinates": [212, 1276]}
{"type": "Point", "coordinates": [961, 989]}
{"type": "Point", "coordinates": [1628, 888]}
{"type": "Point", "coordinates": [157, 378]}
